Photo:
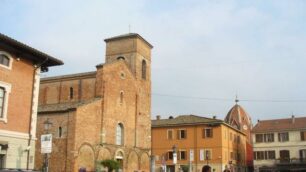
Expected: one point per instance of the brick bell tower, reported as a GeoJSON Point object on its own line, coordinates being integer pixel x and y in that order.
{"type": "Point", "coordinates": [135, 52]}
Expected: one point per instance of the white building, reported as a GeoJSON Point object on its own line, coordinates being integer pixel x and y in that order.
{"type": "Point", "coordinates": [280, 144]}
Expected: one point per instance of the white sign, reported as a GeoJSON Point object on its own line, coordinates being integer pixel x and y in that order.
{"type": "Point", "coordinates": [46, 143]}
{"type": "Point", "coordinates": [201, 154]}
{"type": "Point", "coordinates": [191, 155]}
{"type": "Point", "coordinates": [174, 158]}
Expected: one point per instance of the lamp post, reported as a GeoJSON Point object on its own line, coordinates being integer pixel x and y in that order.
{"type": "Point", "coordinates": [47, 126]}
{"type": "Point", "coordinates": [174, 149]}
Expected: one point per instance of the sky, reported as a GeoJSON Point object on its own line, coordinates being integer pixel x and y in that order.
{"type": "Point", "coordinates": [205, 52]}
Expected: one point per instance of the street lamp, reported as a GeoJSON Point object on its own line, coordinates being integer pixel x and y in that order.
{"type": "Point", "coordinates": [47, 126]}
{"type": "Point", "coordinates": [174, 155]}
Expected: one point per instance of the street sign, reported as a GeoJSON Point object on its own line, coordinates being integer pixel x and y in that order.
{"type": "Point", "coordinates": [191, 155]}
{"type": "Point", "coordinates": [46, 143]}
{"type": "Point", "coordinates": [174, 158]}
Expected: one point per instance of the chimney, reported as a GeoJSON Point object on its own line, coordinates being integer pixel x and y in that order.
{"type": "Point", "coordinates": [293, 119]}
{"type": "Point", "coordinates": [170, 117]}
{"type": "Point", "coordinates": [157, 117]}
{"type": "Point", "coordinates": [214, 117]}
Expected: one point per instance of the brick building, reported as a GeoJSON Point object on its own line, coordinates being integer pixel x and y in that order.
{"type": "Point", "coordinates": [240, 119]}
{"type": "Point", "coordinates": [199, 141]}
{"type": "Point", "coordinates": [20, 68]}
{"type": "Point", "coordinates": [103, 114]}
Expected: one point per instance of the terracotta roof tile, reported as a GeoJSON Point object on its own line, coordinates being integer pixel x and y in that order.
{"type": "Point", "coordinates": [293, 123]}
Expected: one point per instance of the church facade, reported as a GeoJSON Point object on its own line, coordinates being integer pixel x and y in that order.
{"type": "Point", "coordinates": [99, 115]}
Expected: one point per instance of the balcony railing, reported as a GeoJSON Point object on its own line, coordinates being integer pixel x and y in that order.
{"type": "Point", "coordinates": [291, 161]}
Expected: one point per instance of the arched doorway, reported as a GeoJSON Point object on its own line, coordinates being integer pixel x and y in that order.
{"type": "Point", "coordinates": [120, 158]}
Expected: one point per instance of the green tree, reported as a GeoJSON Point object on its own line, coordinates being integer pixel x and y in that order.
{"type": "Point", "coordinates": [110, 164]}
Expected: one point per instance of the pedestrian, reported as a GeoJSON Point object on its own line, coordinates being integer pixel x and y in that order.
{"type": "Point", "coordinates": [206, 168]}
{"type": "Point", "coordinates": [226, 169]}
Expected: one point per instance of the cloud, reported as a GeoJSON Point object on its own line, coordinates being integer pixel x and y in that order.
{"type": "Point", "coordinates": [213, 49]}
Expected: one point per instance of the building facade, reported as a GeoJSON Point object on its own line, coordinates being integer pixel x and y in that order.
{"type": "Point", "coordinates": [103, 114]}
{"type": "Point", "coordinates": [20, 68]}
{"type": "Point", "coordinates": [280, 144]}
{"type": "Point", "coordinates": [238, 118]}
{"type": "Point", "coordinates": [198, 141]}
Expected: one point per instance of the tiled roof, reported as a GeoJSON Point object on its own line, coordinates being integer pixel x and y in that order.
{"type": "Point", "coordinates": [293, 123]}
{"type": "Point", "coordinates": [33, 54]}
{"type": "Point", "coordinates": [84, 74]}
{"type": "Point", "coordinates": [237, 115]}
{"type": "Point", "coordinates": [128, 35]}
{"type": "Point", "coordinates": [184, 120]}
{"type": "Point", "coordinates": [62, 107]}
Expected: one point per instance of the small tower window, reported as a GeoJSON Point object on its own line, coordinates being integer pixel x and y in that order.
{"type": "Point", "coordinates": [121, 97]}
{"type": "Point", "coordinates": [60, 132]}
{"type": "Point", "coordinates": [143, 69]}
{"type": "Point", "coordinates": [71, 93]}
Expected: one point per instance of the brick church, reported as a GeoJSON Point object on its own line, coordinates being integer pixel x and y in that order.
{"type": "Point", "coordinates": [104, 114]}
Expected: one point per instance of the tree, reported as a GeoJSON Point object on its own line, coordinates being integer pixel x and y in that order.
{"type": "Point", "coordinates": [110, 164]}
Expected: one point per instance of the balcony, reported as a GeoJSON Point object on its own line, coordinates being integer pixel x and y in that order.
{"type": "Point", "coordinates": [292, 161]}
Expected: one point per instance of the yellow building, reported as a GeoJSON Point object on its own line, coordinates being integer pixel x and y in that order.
{"type": "Point", "coordinates": [198, 141]}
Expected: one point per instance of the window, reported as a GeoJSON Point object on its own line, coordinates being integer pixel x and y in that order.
{"type": "Point", "coordinates": [71, 93]}
{"type": "Point", "coordinates": [4, 60]}
{"type": "Point", "coordinates": [60, 132]}
{"type": "Point", "coordinates": [182, 134]}
{"type": "Point", "coordinates": [231, 136]}
{"type": "Point", "coordinates": [207, 154]}
{"type": "Point", "coordinates": [303, 155]}
{"type": "Point", "coordinates": [121, 97]}
{"type": "Point", "coordinates": [207, 133]}
{"type": "Point", "coordinates": [235, 138]}
{"type": "Point", "coordinates": [170, 134]}
{"type": "Point", "coordinates": [264, 155]}
{"type": "Point", "coordinates": [5, 90]}
{"type": "Point", "coordinates": [143, 69]}
{"type": "Point", "coordinates": [2, 95]}
{"type": "Point", "coordinates": [238, 139]}
{"type": "Point", "coordinates": [284, 155]}
{"type": "Point", "coordinates": [283, 137]}
{"type": "Point", "coordinates": [259, 138]}
{"type": "Point", "coordinates": [183, 155]}
{"type": "Point", "coordinates": [269, 137]}
{"type": "Point", "coordinates": [119, 134]}
{"type": "Point", "coordinates": [170, 155]}
{"type": "Point", "coordinates": [232, 155]}
{"type": "Point", "coordinates": [303, 135]}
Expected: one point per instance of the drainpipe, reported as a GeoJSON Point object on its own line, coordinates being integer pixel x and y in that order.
{"type": "Point", "coordinates": [36, 69]}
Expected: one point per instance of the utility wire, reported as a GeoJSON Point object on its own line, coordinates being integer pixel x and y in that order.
{"type": "Point", "coordinates": [232, 100]}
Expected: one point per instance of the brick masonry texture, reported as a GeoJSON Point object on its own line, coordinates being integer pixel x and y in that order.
{"type": "Point", "coordinates": [116, 93]}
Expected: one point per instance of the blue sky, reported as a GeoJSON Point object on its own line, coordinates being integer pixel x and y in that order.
{"type": "Point", "coordinates": [202, 49]}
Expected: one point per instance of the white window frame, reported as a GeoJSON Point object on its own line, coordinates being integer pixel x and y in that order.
{"type": "Point", "coordinates": [7, 91]}
{"type": "Point", "coordinates": [10, 60]}
{"type": "Point", "coordinates": [180, 134]}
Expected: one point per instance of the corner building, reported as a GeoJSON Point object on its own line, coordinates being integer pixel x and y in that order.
{"type": "Point", "coordinates": [199, 141]}
{"type": "Point", "coordinates": [103, 114]}
{"type": "Point", "coordinates": [20, 68]}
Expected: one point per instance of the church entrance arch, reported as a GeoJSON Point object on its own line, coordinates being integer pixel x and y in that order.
{"type": "Point", "coordinates": [119, 156]}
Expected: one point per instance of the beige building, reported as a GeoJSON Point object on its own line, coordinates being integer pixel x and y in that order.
{"type": "Point", "coordinates": [280, 144]}
{"type": "Point", "coordinates": [198, 141]}
{"type": "Point", "coordinates": [20, 68]}
{"type": "Point", "coordinates": [104, 114]}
